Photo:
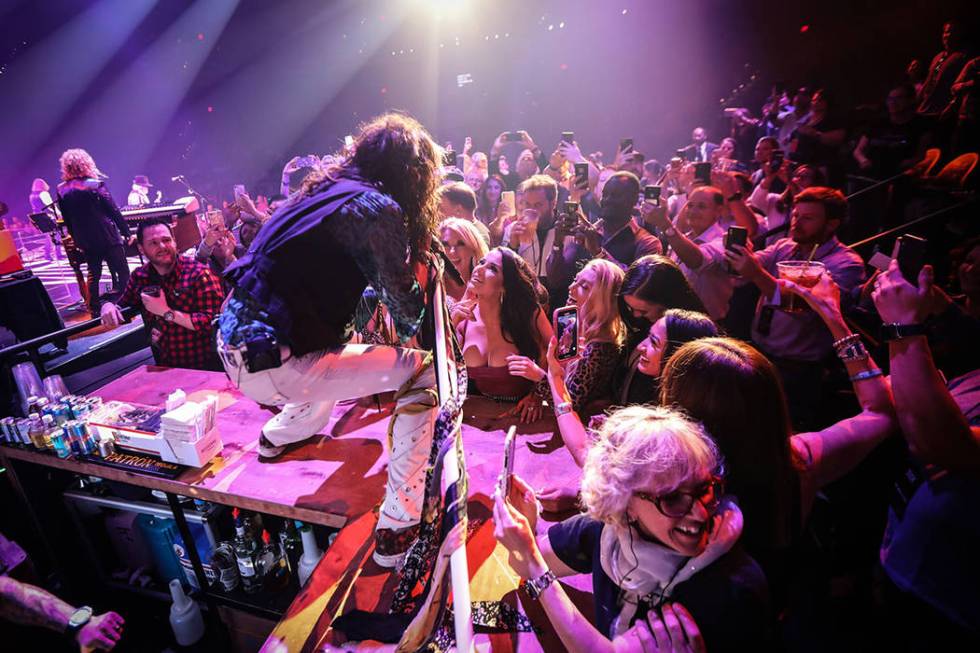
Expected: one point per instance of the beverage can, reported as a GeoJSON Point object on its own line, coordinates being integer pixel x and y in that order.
{"type": "Point", "coordinates": [23, 428]}
{"type": "Point", "coordinates": [74, 441]}
{"type": "Point", "coordinates": [60, 444]}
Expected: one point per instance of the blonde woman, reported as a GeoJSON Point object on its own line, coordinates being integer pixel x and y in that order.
{"type": "Point", "coordinates": [659, 538]}
{"type": "Point", "coordinates": [602, 334]}
{"type": "Point", "coordinates": [465, 247]}
{"type": "Point", "coordinates": [94, 222]}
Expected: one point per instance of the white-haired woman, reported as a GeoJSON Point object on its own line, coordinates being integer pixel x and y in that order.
{"type": "Point", "coordinates": [602, 334]}
{"type": "Point", "coordinates": [94, 222]}
{"type": "Point", "coordinates": [658, 537]}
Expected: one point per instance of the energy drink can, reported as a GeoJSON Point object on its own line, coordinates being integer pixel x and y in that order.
{"type": "Point", "coordinates": [60, 444]}
{"type": "Point", "coordinates": [86, 441]}
{"type": "Point", "coordinates": [6, 429]}
{"type": "Point", "coordinates": [107, 447]}
{"type": "Point", "coordinates": [23, 428]}
{"type": "Point", "coordinates": [61, 413]}
{"type": "Point", "coordinates": [73, 438]}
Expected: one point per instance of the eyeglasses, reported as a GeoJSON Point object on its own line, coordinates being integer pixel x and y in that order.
{"type": "Point", "coordinates": [679, 502]}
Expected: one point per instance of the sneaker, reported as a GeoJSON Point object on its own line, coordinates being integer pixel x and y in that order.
{"type": "Point", "coordinates": [269, 451]}
{"type": "Point", "coordinates": [391, 546]}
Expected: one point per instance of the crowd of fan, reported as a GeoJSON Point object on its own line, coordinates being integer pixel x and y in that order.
{"type": "Point", "coordinates": [855, 487]}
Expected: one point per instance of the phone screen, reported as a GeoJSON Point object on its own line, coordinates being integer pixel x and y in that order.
{"type": "Point", "coordinates": [568, 137]}
{"type": "Point", "coordinates": [581, 175]}
{"type": "Point", "coordinates": [910, 252]}
{"type": "Point", "coordinates": [702, 173]}
{"type": "Point", "coordinates": [625, 144]}
{"type": "Point", "coordinates": [239, 190]}
{"type": "Point", "coordinates": [777, 160]}
{"type": "Point", "coordinates": [652, 193]}
{"type": "Point", "coordinates": [449, 158]}
{"type": "Point", "coordinates": [508, 203]}
{"type": "Point", "coordinates": [566, 332]}
{"type": "Point", "coordinates": [736, 236]}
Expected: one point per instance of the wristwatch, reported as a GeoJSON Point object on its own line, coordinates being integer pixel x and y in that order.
{"type": "Point", "coordinates": [534, 586]}
{"type": "Point", "coordinates": [77, 620]}
{"type": "Point", "coordinates": [896, 331]}
{"type": "Point", "coordinates": [168, 316]}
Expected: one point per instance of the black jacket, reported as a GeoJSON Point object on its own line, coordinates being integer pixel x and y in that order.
{"type": "Point", "coordinates": [92, 217]}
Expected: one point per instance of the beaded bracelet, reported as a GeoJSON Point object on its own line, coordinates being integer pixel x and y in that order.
{"type": "Point", "coordinates": [865, 375]}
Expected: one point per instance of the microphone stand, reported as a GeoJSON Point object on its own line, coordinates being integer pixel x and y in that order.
{"type": "Point", "coordinates": [200, 198]}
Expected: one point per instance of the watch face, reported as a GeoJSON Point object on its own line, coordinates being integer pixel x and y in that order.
{"type": "Point", "coordinates": [80, 616]}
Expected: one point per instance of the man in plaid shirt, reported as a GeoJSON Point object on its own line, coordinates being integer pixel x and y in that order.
{"type": "Point", "coordinates": [178, 298]}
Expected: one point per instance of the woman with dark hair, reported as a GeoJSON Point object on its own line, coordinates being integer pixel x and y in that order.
{"type": "Point", "coordinates": [653, 284]}
{"type": "Point", "coordinates": [506, 320]}
{"type": "Point", "coordinates": [284, 332]}
{"type": "Point", "coordinates": [666, 335]}
{"type": "Point", "coordinates": [488, 199]}
{"type": "Point", "coordinates": [735, 392]}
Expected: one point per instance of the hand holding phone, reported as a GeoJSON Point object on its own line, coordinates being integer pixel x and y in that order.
{"type": "Point", "coordinates": [508, 203]}
{"type": "Point", "coordinates": [566, 332]}
{"type": "Point", "coordinates": [625, 144]}
{"type": "Point", "coordinates": [910, 252]}
{"type": "Point", "coordinates": [702, 173]}
{"type": "Point", "coordinates": [239, 190]}
{"type": "Point", "coordinates": [652, 193]}
{"type": "Point", "coordinates": [568, 137]}
{"type": "Point", "coordinates": [581, 175]}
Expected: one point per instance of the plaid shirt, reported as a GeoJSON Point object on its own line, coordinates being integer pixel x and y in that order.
{"type": "Point", "coordinates": [190, 288]}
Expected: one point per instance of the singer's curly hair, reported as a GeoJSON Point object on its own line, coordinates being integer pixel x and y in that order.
{"type": "Point", "coordinates": [395, 153]}
{"type": "Point", "coordinates": [76, 163]}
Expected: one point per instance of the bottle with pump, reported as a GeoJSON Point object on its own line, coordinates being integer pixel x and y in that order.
{"type": "Point", "coordinates": [185, 616]}
{"type": "Point", "coordinates": [244, 547]}
{"type": "Point", "coordinates": [311, 552]}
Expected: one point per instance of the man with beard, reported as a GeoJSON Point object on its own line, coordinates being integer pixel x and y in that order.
{"type": "Point", "coordinates": [795, 342]}
{"type": "Point", "coordinates": [178, 297]}
{"type": "Point", "coordinates": [284, 333]}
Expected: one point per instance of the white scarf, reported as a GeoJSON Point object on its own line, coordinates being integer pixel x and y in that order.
{"type": "Point", "coordinates": [640, 567]}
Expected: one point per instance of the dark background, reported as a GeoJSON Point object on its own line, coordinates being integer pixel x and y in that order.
{"type": "Point", "coordinates": [225, 91]}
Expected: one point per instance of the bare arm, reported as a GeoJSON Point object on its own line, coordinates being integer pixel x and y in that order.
{"type": "Point", "coordinates": [935, 427]}
{"type": "Point", "coordinates": [837, 449]}
{"type": "Point", "coordinates": [32, 606]}
{"type": "Point", "coordinates": [933, 424]}
{"type": "Point", "coordinates": [570, 425]}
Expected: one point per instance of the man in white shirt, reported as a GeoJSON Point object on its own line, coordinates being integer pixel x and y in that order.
{"type": "Point", "coordinates": [701, 251]}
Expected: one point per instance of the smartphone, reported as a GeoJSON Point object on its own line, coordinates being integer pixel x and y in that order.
{"type": "Point", "coordinates": [702, 173]}
{"type": "Point", "coordinates": [566, 332]}
{"type": "Point", "coordinates": [508, 203]}
{"type": "Point", "coordinates": [239, 190]}
{"type": "Point", "coordinates": [625, 144]}
{"type": "Point", "coordinates": [776, 162]}
{"type": "Point", "coordinates": [736, 236]}
{"type": "Point", "coordinates": [348, 141]}
{"type": "Point", "coordinates": [152, 291]}
{"type": "Point", "coordinates": [449, 158]}
{"type": "Point", "coordinates": [512, 137]}
{"type": "Point", "coordinates": [504, 481]}
{"type": "Point", "coordinates": [910, 252]}
{"type": "Point", "coordinates": [571, 208]}
{"type": "Point", "coordinates": [680, 154]}
{"type": "Point", "coordinates": [581, 175]}
{"type": "Point", "coordinates": [216, 219]}
{"type": "Point", "coordinates": [652, 193]}
{"type": "Point", "coordinates": [568, 137]}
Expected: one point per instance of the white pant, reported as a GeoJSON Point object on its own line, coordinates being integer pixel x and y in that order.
{"type": "Point", "coordinates": [307, 388]}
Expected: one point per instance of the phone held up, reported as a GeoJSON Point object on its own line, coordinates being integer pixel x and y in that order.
{"type": "Point", "coordinates": [625, 144]}
{"type": "Point", "coordinates": [910, 252]}
{"type": "Point", "coordinates": [505, 480]}
{"type": "Point", "coordinates": [568, 137]}
{"type": "Point", "coordinates": [581, 175]}
{"type": "Point", "coordinates": [652, 193]}
{"type": "Point", "coordinates": [239, 190]}
{"type": "Point", "coordinates": [566, 332]}
{"type": "Point", "coordinates": [736, 236]}
{"type": "Point", "coordinates": [508, 203]}
{"type": "Point", "coordinates": [702, 173]}
{"type": "Point", "coordinates": [570, 217]}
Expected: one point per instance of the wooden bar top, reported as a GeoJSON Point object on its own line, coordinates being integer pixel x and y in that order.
{"type": "Point", "coordinates": [328, 480]}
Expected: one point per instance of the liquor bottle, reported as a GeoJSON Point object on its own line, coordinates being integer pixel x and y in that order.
{"type": "Point", "coordinates": [270, 565]}
{"type": "Point", "coordinates": [245, 556]}
{"type": "Point", "coordinates": [291, 544]}
{"type": "Point", "coordinates": [225, 565]}
{"type": "Point", "coordinates": [50, 428]}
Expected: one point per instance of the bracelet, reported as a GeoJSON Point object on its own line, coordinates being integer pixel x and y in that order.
{"type": "Point", "coordinates": [846, 340]}
{"type": "Point", "coordinates": [563, 408]}
{"type": "Point", "coordinates": [865, 375]}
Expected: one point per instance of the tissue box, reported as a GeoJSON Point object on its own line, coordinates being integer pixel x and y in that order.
{"type": "Point", "coordinates": [195, 454]}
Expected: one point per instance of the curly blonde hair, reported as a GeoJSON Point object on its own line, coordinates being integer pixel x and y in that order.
{"type": "Point", "coordinates": [76, 163]}
{"type": "Point", "coordinates": [600, 314]}
{"type": "Point", "coordinates": [643, 448]}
